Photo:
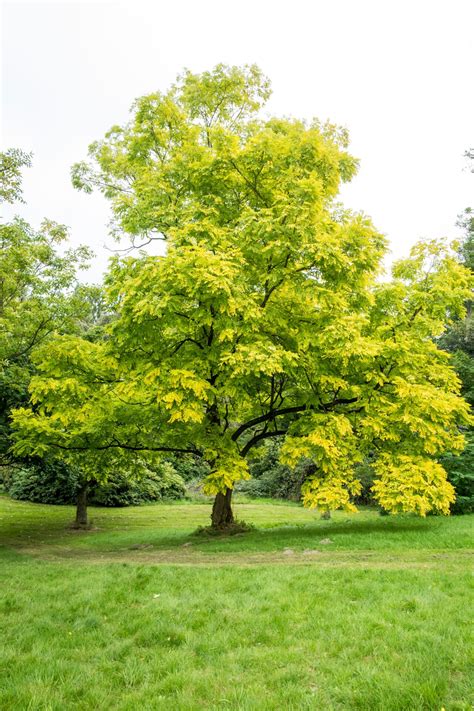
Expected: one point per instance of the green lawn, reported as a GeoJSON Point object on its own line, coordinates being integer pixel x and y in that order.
{"type": "Point", "coordinates": [360, 612]}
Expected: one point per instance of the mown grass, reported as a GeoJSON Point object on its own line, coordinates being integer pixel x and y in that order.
{"type": "Point", "coordinates": [378, 619]}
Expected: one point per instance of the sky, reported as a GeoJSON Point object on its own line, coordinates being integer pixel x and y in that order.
{"type": "Point", "coordinates": [397, 74]}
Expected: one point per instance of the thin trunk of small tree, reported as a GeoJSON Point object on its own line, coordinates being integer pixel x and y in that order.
{"type": "Point", "coordinates": [326, 515]}
{"type": "Point", "coordinates": [222, 514]}
{"type": "Point", "coordinates": [81, 507]}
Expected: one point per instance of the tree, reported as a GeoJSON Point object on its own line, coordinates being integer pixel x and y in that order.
{"type": "Point", "coordinates": [459, 340]}
{"type": "Point", "coordinates": [38, 297]}
{"type": "Point", "coordinates": [265, 318]}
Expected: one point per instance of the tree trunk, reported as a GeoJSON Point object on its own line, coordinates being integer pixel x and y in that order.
{"type": "Point", "coordinates": [222, 515]}
{"type": "Point", "coordinates": [81, 507]}
{"type": "Point", "coordinates": [326, 515]}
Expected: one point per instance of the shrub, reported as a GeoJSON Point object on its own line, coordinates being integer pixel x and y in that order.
{"type": "Point", "coordinates": [43, 482]}
{"type": "Point", "coordinates": [162, 483]}
{"type": "Point", "coordinates": [460, 469]}
{"type": "Point", "coordinates": [53, 482]}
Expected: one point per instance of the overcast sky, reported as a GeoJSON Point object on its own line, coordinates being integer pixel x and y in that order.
{"type": "Point", "coordinates": [397, 74]}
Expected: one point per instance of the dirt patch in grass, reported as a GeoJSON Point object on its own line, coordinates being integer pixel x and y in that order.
{"type": "Point", "coordinates": [186, 555]}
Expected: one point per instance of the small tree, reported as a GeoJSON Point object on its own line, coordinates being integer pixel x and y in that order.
{"type": "Point", "coordinates": [38, 295]}
{"type": "Point", "coordinates": [265, 318]}
{"type": "Point", "coordinates": [36, 291]}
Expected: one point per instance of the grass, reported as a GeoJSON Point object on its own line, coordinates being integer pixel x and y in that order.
{"type": "Point", "coordinates": [142, 614]}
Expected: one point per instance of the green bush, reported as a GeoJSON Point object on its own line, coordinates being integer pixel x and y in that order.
{"type": "Point", "coordinates": [154, 485]}
{"type": "Point", "coordinates": [460, 469]}
{"type": "Point", "coordinates": [56, 483]}
{"type": "Point", "coordinates": [43, 482]}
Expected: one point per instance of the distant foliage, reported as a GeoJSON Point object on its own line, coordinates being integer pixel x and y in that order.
{"type": "Point", "coordinates": [458, 339]}
{"type": "Point", "coordinates": [270, 478]}
{"type": "Point", "coordinates": [366, 475]}
{"type": "Point", "coordinates": [460, 470]}
{"type": "Point", "coordinates": [190, 467]}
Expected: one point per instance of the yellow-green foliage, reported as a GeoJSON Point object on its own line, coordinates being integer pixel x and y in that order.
{"type": "Point", "coordinates": [265, 317]}
{"type": "Point", "coordinates": [226, 471]}
{"type": "Point", "coordinates": [333, 492]}
{"type": "Point", "coordinates": [412, 484]}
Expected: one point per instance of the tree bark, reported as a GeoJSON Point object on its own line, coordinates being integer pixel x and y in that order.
{"type": "Point", "coordinates": [81, 507]}
{"type": "Point", "coordinates": [222, 514]}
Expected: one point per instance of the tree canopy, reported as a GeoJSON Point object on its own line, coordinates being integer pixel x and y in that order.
{"type": "Point", "coordinates": [267, 316]}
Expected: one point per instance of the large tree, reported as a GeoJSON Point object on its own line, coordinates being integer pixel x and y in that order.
{"type": "Point", "coordinates": [266, 317]}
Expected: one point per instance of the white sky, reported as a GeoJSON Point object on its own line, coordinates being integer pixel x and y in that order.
{"type": "Point", "coordinates": [398, 74]}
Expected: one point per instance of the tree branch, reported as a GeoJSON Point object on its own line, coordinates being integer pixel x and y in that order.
{"type": "Point", "coordinates": [257, 438]}
{"type": "Point", "coordinates": [186, 340]}
{"type": "Point", "coordinates": [128, 447]}
{"type": "Point", "coordinates": [273, 414]}
{"type": "Point", "coordinates": [270, 415]}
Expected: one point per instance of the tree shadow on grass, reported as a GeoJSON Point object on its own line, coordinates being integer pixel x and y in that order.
{"type": "Point", "coordinates": [34, 529]}
{"type": "Point", "coordinates": [348, 534]}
